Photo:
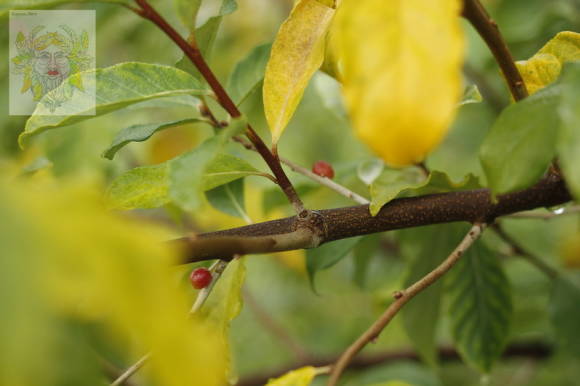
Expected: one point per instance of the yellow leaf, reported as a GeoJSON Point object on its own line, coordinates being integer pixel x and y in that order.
{"type": "Point", "coordinates": [300, 377]}
{"type": "Point", "coordinates": [83, 263]}
{"type": "Point", "coordinates": [297, 53]}
{"type": "Point", "coordinates": [545, 66]}
{"type": "Point", "coordinates": [401, 72]}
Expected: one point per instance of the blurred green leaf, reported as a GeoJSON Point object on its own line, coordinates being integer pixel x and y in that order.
{"type": "Point", "coordinates": [521, 144]}
{"type": "Point", "coordinates": [368, 171]}
{"type": "Point", "coordinates": [140, 133]}
{"type": "Point", "coordinates": [471, 95]}
{"type": "Point", "coordinates": [564, 310]}
{"type": "Point", "coordinates": [187, 11]}
{"type": "Point", "coordinates": [480, 306]}
{"type": "Point", "coordinates": [229, 198]}
{"type": "Point", "coordinates": [225, 168]}
{"type": "Point", "coordinates": [325, 256]}
{"type": "Point", "coordinates": [117, 86]}
{"type": "Point", "coordinates": [362, 254]}
{"type": "Point", "coordinates": [425, 248]}
{"type": "Point", "coordinates": [569, 135]}
{"type": "Point", "coordinates": [142, 187]}
{"type": "Point", "coordinates": [411, 181]}
{"type": "Point", "coordinates": [248, 73]}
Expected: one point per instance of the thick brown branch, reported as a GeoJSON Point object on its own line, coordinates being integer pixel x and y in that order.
{"type": "Point", "coordinates": [489, 32]}
{"type": "Point", "coordinates": [335, 224]}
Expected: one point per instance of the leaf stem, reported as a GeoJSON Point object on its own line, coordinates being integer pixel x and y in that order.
{"type": "Point", "coordinates": [194, 54]}
{"type": "Point", "coordinates": [401, 298]}
{"type": "Point", "coordinates": [487, 28]}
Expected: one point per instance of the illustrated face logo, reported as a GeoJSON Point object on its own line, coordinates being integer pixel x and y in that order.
{"type": "Point", "coordinates": [46, 60]}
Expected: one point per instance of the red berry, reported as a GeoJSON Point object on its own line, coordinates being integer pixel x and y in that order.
{"type": "Point", "coordinates": [323, 169]}
{"type": "Point", "coordinates": [200, 278]}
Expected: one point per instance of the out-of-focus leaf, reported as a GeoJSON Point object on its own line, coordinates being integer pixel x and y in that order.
{"type": "Point", "coordinates": [114, 87]}
{"type": "Point", "coordinates": [140, 133]}
{"type": "Point", "coordinates": [299, 377]}
{"type": "Point", "coordinates": [401, 73]}
{"type": "Point", "coordinates": [568, 145]}
{"type": "Point", "coordinates": [325, 256]}
{"type": "Point", "coordinates": [544, 67]}
{"type": "Point", "coordinates": [412, 182]}
{"type": "Point", "coordinates": [565, 314]}
{"type": "Point", "coordinates": [187, 11]}
{"type": "Point", "coordinates": [522, 142]}
{"type": "Point", "coordinates": [425, 248]}
{"type": "Point", "coordinates": [369, 171]}
{"type": "Point", "coordinates": [229, 198]}
{"type": "Point", "coordinates": [8, 5]}
{"type": "Point", "coordinates": [186, 172]}
{"type": "Point", "coordinates": [148, 186]}
{"type": "Point", "coordinates": [248, 73]}
{"type": "Point", "coordinates": [471, 95]}
{"type": "Point", "coordinates": [297, 52]}
{"type": "Point", "coordinates": [480, 306]}
{"type": "Point", "coordinates": [362, 254]}
{"type": "Point", "coordinates": [114, 272]}
{"type": "Point", "coordinates": [142, 187]}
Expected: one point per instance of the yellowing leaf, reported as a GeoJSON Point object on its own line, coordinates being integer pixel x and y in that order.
{"type": "Point", "coordinates": [300, 377]}
{"type": "Point", "coordinates": [545, 66]}
{"type": "Point", "coordinates": [297, 53]}
{"type": "Point", "coordinates": [400, 64]}
{"type": "Point", "coordinates": [83, 263]}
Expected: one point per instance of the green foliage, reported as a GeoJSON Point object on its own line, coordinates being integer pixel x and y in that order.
{"type": "Point", "coordinates": [229, 198]}
{"type": "Point", "coordinates": [248, 74]}
{"type": "Point", "coordinates": [565, 315]}
{"type": "Point", "coordinates": [480, 307]}
{"type": "Point", "coordinates": [326, 256]}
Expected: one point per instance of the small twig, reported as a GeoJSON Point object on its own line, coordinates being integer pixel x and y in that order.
{"type": "Point", "coordinates": [546, 215]}
{"type": "Point", "coordinates": [275, 328]}
{"type": "Point", "coordinates": [401, 298]}
{"type": "Point", "coordinates": [217, 269]}
{"type": "Point", "coordinates": [194, 54]}
{"type": "Point", "coordinates": [518, 250]}
{"type": "Point", "coordinates": [489, 32]}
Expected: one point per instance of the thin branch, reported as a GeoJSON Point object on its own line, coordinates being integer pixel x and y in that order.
{"type": "Point", "coordinates": [546, 215]}
{"type": "Point", "coordinates": [489, 32]}
{"type": "Point", "coordinates": [216, 269]}
{"type": "Point", "coordinates": [518, 250]}
{"type": "Point", "coordinates": [194, 54]}
{"type": "Point", "coordinates": [335, 224]}
{"type": "Point", "coordinates": [532, 350]}
{"type": "Point", "coordinates": [401, 298]}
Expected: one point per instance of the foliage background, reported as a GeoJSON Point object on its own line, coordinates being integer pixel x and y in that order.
{"type": "Point", "coordinates": [323, 324]}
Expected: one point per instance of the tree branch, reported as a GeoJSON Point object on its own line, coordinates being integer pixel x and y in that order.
{"type": "Point", "coordinates": [335, 224]}
{"type": "Point", "coordinates": [533, 350]}
{"type": "Point", "coordinates": [401, 298]}
{"type": "Point", "coordinates": [489, 32]}
{"type": "Point", "coordinates": [194, 54]}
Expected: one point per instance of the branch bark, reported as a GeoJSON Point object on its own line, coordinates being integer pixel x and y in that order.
{"type": "Point", "coordinates": [335, 224]}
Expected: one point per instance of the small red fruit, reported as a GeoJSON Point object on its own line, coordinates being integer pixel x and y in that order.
{"type": "Point", "coordinates": [323, 169]}
{"type": "Point", "coordinates": [200, 278]}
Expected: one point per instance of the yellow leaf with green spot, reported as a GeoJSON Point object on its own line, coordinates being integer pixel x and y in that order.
{"type": "Point", "coordinates": [400, 65]}
{"type": "Point", "coordinates": [545, 66]}
{"type": "Point", "coordinates": [297, 53]}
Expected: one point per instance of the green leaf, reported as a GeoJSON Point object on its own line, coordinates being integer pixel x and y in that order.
{"type": "Point", "coordinates": [568, 145]}
{"type": "Point", "coordinates": [186, 172]}
{"type": "Point", "coordinates": [299, 377]}
{"type": "Point", "coordinates": [411, 181]}
{"type": "Point", "coordinates": [140, 133]}
{"type": "Point", "coordinates": [229, 198]}
{"type": "Point", "coordinates": [248, 73]}
{"type": "Point", "coordinates": [8, 5]}
{"type": "Point", "coordinates": [480, 306]}
{"type": "Point", "coordinates": [142, 187]}
{"type": "Point", "coordinates": [187, 11]}
{"type": "Point", "coordinates": [471, 95]}
{"type": "Point", "coordinates": [425, 248]}
{"type": "Point", "coordinates": [325, 256]}
{"type": "Point", "coordinates": [564, 310]}
{"type": "Point", "coordinates": [117, 86]}
{"type": "Point", "coordinates": [522, 142]}
{"type": "Point", "coordinates": [362, 254]}
{"type": "Point", "coordinates": [368, 171]}
{"type": "Point", "coordinates": [226, 168]}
